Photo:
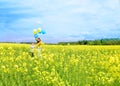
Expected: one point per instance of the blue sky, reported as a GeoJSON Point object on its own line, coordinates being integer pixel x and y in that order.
{"type": "Point", "coordinates": [63, 20]}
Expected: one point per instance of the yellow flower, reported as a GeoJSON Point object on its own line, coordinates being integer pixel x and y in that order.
{"type": "Point", "coordinates": [24, 64]}
{"type": "Point", "coordinates": [16, 66]}
{"type": "Point", "coordinates": [36, 69]}
{"type": "Point", "coordinates": [3, 67]}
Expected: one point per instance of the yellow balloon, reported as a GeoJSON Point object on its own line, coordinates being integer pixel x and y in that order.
{"type": "Point", "coordinates": [39, 29]}
{"type": "Point", "coordinates": [34, 31]}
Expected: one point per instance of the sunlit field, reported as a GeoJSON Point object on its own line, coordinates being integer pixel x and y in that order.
{"type": "Point", "coordinates": [70, 65]}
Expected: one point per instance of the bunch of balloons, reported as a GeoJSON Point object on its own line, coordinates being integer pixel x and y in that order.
{"type": "Point", "coordinates": [38, 31]}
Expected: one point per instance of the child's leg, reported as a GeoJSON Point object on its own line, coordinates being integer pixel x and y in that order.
{"type": "Point", "coordinates": [32, 54]}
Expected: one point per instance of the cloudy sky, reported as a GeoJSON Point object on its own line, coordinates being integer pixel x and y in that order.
{"type": "Point", "coordinates": [63, 20]}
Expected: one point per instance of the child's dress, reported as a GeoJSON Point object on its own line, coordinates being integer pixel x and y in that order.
{"type": "Point", "coordinates": [32, 50]}
{"type": "Point", "coordinates": [38, 46]}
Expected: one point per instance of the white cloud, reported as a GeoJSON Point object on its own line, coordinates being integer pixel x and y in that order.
{"type": "Point", "coordinates": [63, 18]}
{"type": "Point", "coordinates": [77, 2]}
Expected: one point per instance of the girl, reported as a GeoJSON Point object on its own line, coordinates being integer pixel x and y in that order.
{"type": "Point", "coordinates": [38, 46]}
{"type": "Point", "coordinates": [32, 49]}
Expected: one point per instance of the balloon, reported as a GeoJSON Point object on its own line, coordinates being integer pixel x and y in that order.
{"type": "Point", "coordinates": [43, 32]}
{"type": "Point", "coordinates": [34, 31]}
{"type": "Point", "coordinates": [39, 30]}
{"type": "Point", "coordinates": [36, 35]}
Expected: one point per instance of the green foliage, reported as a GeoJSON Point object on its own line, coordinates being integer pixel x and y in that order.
{"type": "Point", "coordinates": [94, 42]}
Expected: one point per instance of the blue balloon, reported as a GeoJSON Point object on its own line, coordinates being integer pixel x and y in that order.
{"type": "Point", "coordinates": [40, 32]}
{"type": "Point", "coordinates": [43, 32]}
{"type": "Point", "coordinates": [36, 35]}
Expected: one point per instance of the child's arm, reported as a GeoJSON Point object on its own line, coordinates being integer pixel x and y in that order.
{"type": "Point", "coordinates": [39, 44]}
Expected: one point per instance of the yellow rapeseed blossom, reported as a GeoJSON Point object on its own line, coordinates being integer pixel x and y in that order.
{"type": "Point", "coordinates": [59, 65]}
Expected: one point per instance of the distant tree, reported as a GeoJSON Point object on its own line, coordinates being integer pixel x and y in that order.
{"type": "Point", "coordinates": [94, 42]}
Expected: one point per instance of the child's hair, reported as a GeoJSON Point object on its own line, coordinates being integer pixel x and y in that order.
{"type": "Point", "coordinates": [38, 40]}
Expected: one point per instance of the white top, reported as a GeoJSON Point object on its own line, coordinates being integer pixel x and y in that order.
{"type": "Point", "coordinates": [32, 48]}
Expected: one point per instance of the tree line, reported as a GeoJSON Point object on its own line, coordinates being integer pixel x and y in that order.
{"type": "Point", "coordinates": [112, 41]}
